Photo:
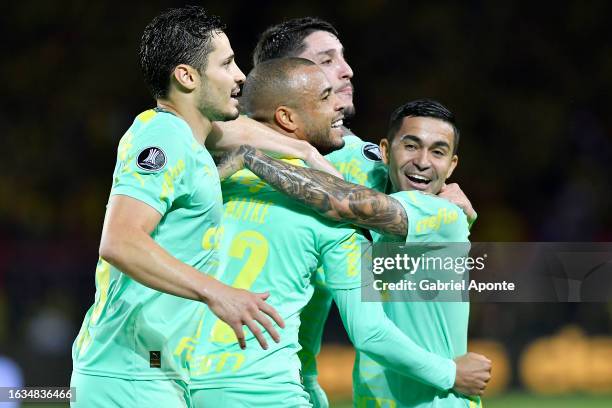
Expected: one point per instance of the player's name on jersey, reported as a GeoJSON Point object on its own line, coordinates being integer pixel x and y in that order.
{"type": "Point", "coordinates": [247, 209]}
{"type": "Point", "coordinates": [441, 285]}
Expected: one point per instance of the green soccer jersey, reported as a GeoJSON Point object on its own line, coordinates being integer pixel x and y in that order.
{"type": "Point", "coordinates": [360, 163]}
{"type": "Point", "coordinates": [270, 243]}
{"type": "Point", "coordinates": [132, 331]}
{"type": "Point", "coordinates": [439, 327]}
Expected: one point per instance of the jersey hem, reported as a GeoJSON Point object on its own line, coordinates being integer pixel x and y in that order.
{"type": "Point", "coordinates": [162, 376]}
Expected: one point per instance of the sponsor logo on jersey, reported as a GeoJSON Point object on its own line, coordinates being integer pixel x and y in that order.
{"type": "Point", "coordinates": [371, 152]}
{"type": "Point", "coordinates": [151, 159]}
{"type": "Point", "coordinates": [155, 359]}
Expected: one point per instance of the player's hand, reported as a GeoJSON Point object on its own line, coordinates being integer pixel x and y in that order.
{"type": "Point", "coordinates": [453, 193]}
{"type": "Point", "coordinates": [473, 374]}
{"type": "Point", "coordinates": [316, 161]}
{"type": "Point", "coordinates": [238, 307]}
{"type": "Point", "coordinates": [229, 162]}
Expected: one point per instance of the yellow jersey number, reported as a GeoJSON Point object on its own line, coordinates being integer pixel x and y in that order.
{"type": "Point", "coordinates": [256, 258]}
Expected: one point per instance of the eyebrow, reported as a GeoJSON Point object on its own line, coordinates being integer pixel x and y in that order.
{"type": "Point", "coordinates": [229, 58]}
{"type": "Point", "coordinates": [411, 137]}
{"type": "Point", "coordinates": [439, 143]}
{"type": "Point", "coordinates": [330, 52]}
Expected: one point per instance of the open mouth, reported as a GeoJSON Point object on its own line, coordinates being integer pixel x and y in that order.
{"type": "Point", "coordinates": [236, 92]}
{"type": "Point", "coordinates": [418, 179]}
{"type": "Point", "coordinates": [337, 124]}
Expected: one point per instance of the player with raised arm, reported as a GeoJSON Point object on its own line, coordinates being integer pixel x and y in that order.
{"type": "Point", "coordinates": [152, 283]}
{"type": "Point", "coordinates": [421, 153]}
{"type": "Point", "coordinates": [358, 161]}
{"type": "Point", "coordinates": [318, 40]}
{"type": "Point", "coordinates": [293, 96]}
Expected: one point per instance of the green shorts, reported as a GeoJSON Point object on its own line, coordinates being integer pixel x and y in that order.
{"type": "Point", "coordinates": [94, 391]}
{"type": "Point", "coordinates": [251, 397]}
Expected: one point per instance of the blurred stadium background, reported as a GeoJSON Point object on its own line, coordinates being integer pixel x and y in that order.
{"type": "Point", "coordinates": [529, 82]}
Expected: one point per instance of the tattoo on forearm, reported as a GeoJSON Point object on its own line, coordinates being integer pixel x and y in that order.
{"type": "Point", "coordinates": [228, 163]}
{"type": "Point", "coordinates": [330, 196]}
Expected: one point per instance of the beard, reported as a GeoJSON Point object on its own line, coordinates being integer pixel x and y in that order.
{"type": "Point", "coordinates": [214, 113]}
{"type": "Point", "coordinates": [321, 139]}
{"type": "Point", "coordinates": [214, 104]}
{"type": "Point", "coordinates": [349, 112]}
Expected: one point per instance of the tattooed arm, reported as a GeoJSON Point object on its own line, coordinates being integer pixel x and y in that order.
{"type": "Point", "coordinates": [243, 130]}
{"type": "Point", "coordinates": [330, 196]}
{"type": "Point", "coordinates": [229, 163]}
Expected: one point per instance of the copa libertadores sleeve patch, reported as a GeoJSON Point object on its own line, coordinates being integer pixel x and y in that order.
{"type": "Point", "coordinates": [151, 159]}
{"type": "Point", "coordinates": [371, 152]}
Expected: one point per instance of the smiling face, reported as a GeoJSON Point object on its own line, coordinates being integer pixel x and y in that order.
{"type": "Point", "coordinates": [325, 50]}
{"type": "Point", "coordinates": [420, 154]}
{"type": "Point", "coordinates": [319, 112]}
{"type": "Point", "coordinates": [221, 80]}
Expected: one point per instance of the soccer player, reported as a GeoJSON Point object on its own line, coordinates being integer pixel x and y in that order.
{"type": "Point", "coordinates": [293, 96]}
{"type": "Point", "coordinates": [358, 161]}
{"type": "Point", "coordinates": [420, 150]}
{"type": "Point", "coordinates": [152, 282]}
{"type": "Point", "coordinates": [317, 40]}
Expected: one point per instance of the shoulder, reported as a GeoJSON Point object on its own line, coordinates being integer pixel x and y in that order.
{"type": "Point", "coordinates": [155, 141]}
{"type": "Point", "coordinates": [356, 146]}
{"type": "Point", "coordinates": [427, 203]}
{"type": "Point", "coordinates": [165, 127]}
{"type": "Point", "coordinates": [429, 213]}
{"type": "Point", "coordinates": [162, 132]}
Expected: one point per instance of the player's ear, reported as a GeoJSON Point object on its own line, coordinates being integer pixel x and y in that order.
{"type": "Point", "coordinates": [185, 77]}
{"type": "Point", "coordinates": [385, 150]}
{"type": "Point", "coordinates": [286, 118]}
{"type": "Point", "coordinates": [454, 162]}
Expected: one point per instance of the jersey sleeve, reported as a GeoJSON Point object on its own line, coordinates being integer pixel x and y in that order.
{"type": "Point", "coordinates": [152, 168]}
{"type": "Point", "coordinates": [431, 218]}
{"type": "Point", "coordinates": [360, 163]}
{"type": "Point", "coordinates": [373, 333]}
{"type": "Point", "coordinates": [341, 251]}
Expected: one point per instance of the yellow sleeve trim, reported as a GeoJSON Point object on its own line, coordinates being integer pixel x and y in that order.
{"type": "Point", "coordinates": [146, 116]}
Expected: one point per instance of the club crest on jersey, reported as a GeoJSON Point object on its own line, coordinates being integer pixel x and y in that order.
{"type": "Point", "coordinates": [151, 159]}
{"type": "Point", "coordinates": [371, 152]}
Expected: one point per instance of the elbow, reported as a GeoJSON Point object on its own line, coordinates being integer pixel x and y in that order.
{"type": "Point", "coordinates": [340, 211]}
{"type": "Point", "coordinates": [333, 215]}
{"type": "Point", "coordinates": [366, 342]}
{"type": "Point", "coordinates": [111, 248]}
{"type": "Point", "coordinates": [109, 251]}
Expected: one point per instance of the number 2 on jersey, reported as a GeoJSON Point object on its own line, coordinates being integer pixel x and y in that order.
{"type": "Point", "coordinates": [258, 246]}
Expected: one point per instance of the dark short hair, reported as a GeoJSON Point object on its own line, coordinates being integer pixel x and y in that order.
{"type": "Point", "coordinates": [269, 85]}
{"type": "Point", "coordinates": [287, 38]}
{"type": "Point", "coordinates": [177, 36]}
{"type": "Point", "coordinates": [427, 108]}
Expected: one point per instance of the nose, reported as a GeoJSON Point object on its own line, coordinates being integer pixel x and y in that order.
{"type": "Point", "coordinates": [239, 78]}
{"type": "Point", "coordinates": [339, 105]}
{"type": "Point", "coordinates": [421, 161]}
{"type": "Point", "coordinates": [345, 69]}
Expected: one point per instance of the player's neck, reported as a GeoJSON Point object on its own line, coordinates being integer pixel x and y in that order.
{"type": "Point", "coordinates": [199, 124]}
{"type": "Point", "coordinates": [280, 130]}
